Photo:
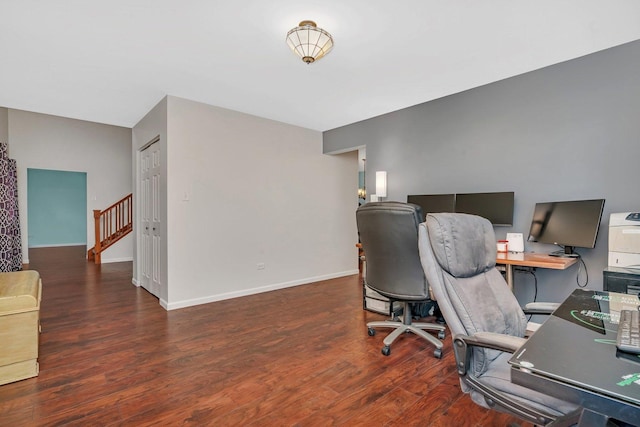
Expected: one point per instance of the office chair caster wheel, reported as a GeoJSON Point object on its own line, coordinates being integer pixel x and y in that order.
{"type": "Point", "coordinates": [386, 350]}
{"type": "Point", "coordinates": [437, 353]}
{"type": "Point", "coordinates": [371, 332]}
{"type": "Point", "coordinates": [441, 335]}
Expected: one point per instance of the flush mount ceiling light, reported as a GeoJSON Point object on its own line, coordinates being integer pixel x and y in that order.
{"type": "Point", "coordinates": [309, 42]}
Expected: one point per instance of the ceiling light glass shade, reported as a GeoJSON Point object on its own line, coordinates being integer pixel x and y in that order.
{"type": "Point", "coordinates": [309, 42]}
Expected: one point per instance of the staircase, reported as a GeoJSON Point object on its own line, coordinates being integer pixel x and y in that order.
{"type": "Point", "coordinates": [111, 225]}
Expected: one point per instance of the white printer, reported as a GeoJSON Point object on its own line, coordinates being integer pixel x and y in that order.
{"type": "Point", "coordinates": [624, 240]}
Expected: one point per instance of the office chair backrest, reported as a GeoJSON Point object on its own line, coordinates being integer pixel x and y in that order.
{"type": "Point", "coordinates": [389, 235]}
{"type": "Point", "coordinates": [458, 253]}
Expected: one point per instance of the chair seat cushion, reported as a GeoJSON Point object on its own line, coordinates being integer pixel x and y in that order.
{"type": "Point", "coordinates": [498, 376]}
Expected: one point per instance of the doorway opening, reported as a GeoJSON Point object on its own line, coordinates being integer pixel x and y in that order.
{"type": "Point", "coordinates": [362, 187]}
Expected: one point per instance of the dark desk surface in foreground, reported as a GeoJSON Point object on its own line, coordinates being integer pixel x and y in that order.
{"type": "Point", "coordinates": [573, 356]}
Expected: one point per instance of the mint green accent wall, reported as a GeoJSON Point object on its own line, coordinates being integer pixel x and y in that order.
{"type": "Point", "coordinates": [57, 208]}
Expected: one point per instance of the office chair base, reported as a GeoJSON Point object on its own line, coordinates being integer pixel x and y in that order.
{"type": "Point", "coordinates": [416, 328]}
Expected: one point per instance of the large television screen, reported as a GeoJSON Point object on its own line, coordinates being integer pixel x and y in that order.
{"type": "Point", "coordinates": [569, 224]}
{"type": "Point", "coordinates": [496, 207]}
{"type": "Point", "coordinates": [433, 203]}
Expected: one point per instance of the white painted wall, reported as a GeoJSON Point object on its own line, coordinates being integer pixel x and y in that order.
{"type": "Point", "coordinates": [258, 191]}
{"type": "Point", "coordinates": [102, 151]}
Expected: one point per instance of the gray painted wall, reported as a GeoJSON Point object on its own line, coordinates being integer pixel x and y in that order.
{"type": "Point", "coordinates": [566, 132]}
{"type": "Point", "coordinates": [4, 125]}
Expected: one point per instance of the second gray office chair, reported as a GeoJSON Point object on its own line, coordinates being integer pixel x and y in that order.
{"type": "Point", "coordinates": [458, 253]}
{"type": "Point", "coordinates": [389, 235]}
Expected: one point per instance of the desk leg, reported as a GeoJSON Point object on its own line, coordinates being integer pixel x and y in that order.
{"type": "Point", "coordinates": [509, 269]}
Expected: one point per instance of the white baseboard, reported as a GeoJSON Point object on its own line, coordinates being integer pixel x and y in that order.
{"type": "Point", "coordinates": [229, 295]}
{"type": "Point", "coordinates": [57, 246]}
{"type": "Point", "coordinates": [135, 282]}
{"type": "Point", "coordinates": [109, 260]}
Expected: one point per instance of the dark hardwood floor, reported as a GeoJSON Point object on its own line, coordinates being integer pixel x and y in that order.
{"type": "Point", "coordinates": [111, 356]}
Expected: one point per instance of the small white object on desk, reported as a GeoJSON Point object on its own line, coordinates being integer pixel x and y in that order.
{"type": "Point", "coordinates": [516, 242]}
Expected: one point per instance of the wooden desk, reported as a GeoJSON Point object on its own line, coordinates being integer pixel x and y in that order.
{"type": "Point", "coordinates": [509, 259]}
{"type": "Point", "coordinates": [531, 259]}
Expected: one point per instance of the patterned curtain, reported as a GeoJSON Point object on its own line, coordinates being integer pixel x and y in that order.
{"type": "Point", "coordinates": [10, 242]}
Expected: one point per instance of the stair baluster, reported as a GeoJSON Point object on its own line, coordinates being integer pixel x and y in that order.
{"type": "Point", "coordinates": [111, 225]}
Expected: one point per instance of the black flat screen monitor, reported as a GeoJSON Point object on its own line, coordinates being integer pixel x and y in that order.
{"type": "Point", "coordinates": [496, 207]}
{"type": "Point", "coordinates": [569, 224]}
{"type": "Point", "coordinates": [433, 203]}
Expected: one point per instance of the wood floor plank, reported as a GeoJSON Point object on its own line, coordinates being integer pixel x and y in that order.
{"type": "Point", "coordinates": [301, 356]}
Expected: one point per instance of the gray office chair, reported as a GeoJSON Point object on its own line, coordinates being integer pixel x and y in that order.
{"type": "Point", "coordinates": [389, 235]}
{"type": "Point", "coordinates": [458, 253]}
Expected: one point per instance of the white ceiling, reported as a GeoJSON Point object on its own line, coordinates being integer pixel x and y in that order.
{"type": "Point", "coordinates": [112, 61]}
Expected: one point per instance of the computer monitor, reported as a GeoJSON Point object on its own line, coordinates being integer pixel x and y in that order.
{"type": "Point", "coordinates": [496, 207]}
{"type": "Point", "coordinates": [568, 224]}
{"type": "Point", "coordinates": [433, 203]}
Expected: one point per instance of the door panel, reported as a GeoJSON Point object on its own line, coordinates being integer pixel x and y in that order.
{"type": "Point", "coordinates": [150, 218]}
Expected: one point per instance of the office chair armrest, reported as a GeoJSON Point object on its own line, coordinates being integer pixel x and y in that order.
{"type": "Point", "coordinates": [462, 345]}
{"type": "Point", "coordinates": [540, 307]}
{"type": "Point", "coordinates": [500, 342]}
